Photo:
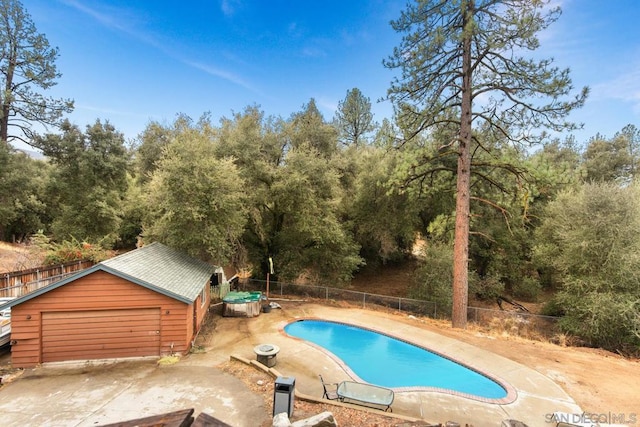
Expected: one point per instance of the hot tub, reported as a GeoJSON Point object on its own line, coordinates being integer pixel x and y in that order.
{"type": "Point", "coordinates": [242, 304]}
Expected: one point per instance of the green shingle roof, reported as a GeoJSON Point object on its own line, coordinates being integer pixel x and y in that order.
{"type": "Point", "coordinates": [165, 269]}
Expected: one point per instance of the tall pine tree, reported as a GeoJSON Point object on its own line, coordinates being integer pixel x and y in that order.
{"type": "Point", "coordinates": [461, 66]}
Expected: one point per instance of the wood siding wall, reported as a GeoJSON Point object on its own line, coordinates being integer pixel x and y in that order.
{"type": "Point", "coordinates": [201, 310]}
{"type": "Point", "coordinates": [100, 334]}
{"type": "Point", "coordinates": [101, 291]}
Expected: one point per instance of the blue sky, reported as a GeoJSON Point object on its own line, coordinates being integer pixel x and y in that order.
{"type": "Point", "coordinates": [131, 62]}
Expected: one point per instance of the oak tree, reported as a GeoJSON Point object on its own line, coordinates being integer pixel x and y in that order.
{"type": "Point", "coordinates": [195, 201]}
{"type": "Point", "coordinates": [293, 217]}
{"type": "Point", "coordinates": [88, 181]}
{"type": "Point", "coordinates": [589, 242]}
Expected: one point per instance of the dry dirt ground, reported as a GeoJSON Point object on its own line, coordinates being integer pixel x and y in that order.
{"type": "Point", "coordinates": [15, 257]}
{"type": "Point", "coordinates": [260, 382]}
{"type": "Point", "coordinates": [600, 382]}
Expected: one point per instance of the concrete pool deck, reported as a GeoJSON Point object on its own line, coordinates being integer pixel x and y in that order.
{"type": "Point", "coordinates": [537, 396]}
{"type": "Point", "coordinates": [89, 394]}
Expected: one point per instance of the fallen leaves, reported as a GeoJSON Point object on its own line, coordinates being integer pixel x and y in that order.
{"type": "Point", "coordinates": [261, 383]}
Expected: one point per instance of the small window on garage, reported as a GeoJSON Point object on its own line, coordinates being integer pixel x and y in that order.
{"type": "Point", "coordinates": [203, 296]}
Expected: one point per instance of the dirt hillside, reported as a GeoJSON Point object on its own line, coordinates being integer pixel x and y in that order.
{"type": "Point", "coordinates": [15, 257]}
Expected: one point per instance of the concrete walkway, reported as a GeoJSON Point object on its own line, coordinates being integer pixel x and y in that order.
{"type": "Point", "coordinates": [86, 396]}
{"type": "Point", "coordinates": [537, 396]}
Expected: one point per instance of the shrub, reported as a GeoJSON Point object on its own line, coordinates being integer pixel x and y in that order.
{"type": "Point", "coordinates": [604, 320]}
{"type": "Point", "coordinates": [69, 250]}
{"type": "Point", "coordinates": [528, 289]}
{"type": "Point", "coordinates": [488, 288]}
{"type": "Point", "coordinates": [589, 243]}
{"type": "Point", "coordinates": [552, 308]}
{"type": "Point", "coordinates": [432, 281]}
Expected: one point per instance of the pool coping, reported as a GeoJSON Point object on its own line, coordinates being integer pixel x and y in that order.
{"type": "Point", "coordinates": [511, 396]}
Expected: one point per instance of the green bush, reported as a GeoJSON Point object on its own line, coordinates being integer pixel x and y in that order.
{"type": "Point", "coordinates": [69, 250]}
{"type": "Point", "coordinates": [589, 243]}
{"type": "Point", "coordinates": [527, 289]}
{"type": "Point", "coordinates": [487, 288]}
{"type": "Point", "coordinates": [432, 281]}
{"type": "Point", "coordinates": [604, 320]}
{"type": "Point", "coordinates": [552, 308]}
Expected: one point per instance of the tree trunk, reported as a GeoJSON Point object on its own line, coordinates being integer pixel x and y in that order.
{"type": "Point", "coordinates": [4, 125]}
{"type": "Point", "coordinates": [4, 118]}
{"type": "Point", "coordinates": [8, 92]}
{"type": "Point", "coordinates": [461, 239]}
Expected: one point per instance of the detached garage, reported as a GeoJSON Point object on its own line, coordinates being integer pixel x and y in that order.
{"type": "Point", "coordinates": [147, 302]}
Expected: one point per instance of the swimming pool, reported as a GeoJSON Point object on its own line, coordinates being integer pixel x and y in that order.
{"type": "Point", "coordinates": [389, 362]}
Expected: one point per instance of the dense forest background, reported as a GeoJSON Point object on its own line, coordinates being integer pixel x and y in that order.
{"type": "Point", "coordinates": [323, 203]}
{"type": "Point", "coordinates": [326, 197]}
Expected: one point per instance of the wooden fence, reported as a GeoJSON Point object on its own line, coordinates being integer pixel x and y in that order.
{"type": "Point", "coordinates": [18, 283]}
{"type": "Point", "coordinates": [220, 291]}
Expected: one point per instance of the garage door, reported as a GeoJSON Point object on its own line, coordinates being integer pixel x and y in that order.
{"type": "Point", "coordinates": [100, 334]}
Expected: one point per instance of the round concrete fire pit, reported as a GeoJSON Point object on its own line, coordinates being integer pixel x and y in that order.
{"type": "Point", "coordinates": [267, 354]}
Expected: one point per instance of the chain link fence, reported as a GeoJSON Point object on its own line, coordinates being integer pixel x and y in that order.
{"type": "Point", "coordinates": [511, 322]}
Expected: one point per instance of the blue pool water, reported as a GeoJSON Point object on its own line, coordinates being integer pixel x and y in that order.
{"type": "Point", "coordinates": [383, 360]}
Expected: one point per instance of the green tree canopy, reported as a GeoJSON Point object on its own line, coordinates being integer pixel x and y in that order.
{"type": "Point", "coordinates": [309, 127]}
{"type": "Point", "coordinates": [89, 181]}
{"type": "Point", "coordinates": [295, 193]}
{"type": "Point", "coordinates": [462, 66]}
{"type": "Point", "coordinates": [354, 118]}
{"type": "Point", "coordinates": [382, 218]}
{"type": "Point", "coordinates": [608, 160]}
{"type": "Point", "coordinates": [555, 167]}
{"type": "Point", "coordinates": [154, 138]}
{"type": "Point", "coordinates": [306, 235]}
{"type": "Point", "coordinates": [27, 64]}
{"type": "Point", "coordinates": [23, 201]}
{"type": "Point", "coordinates": [632, 134]}
{"type": "Point", "coordinates": [589, 241]}
{"type": "Point", "coordinates": [196, 201]}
